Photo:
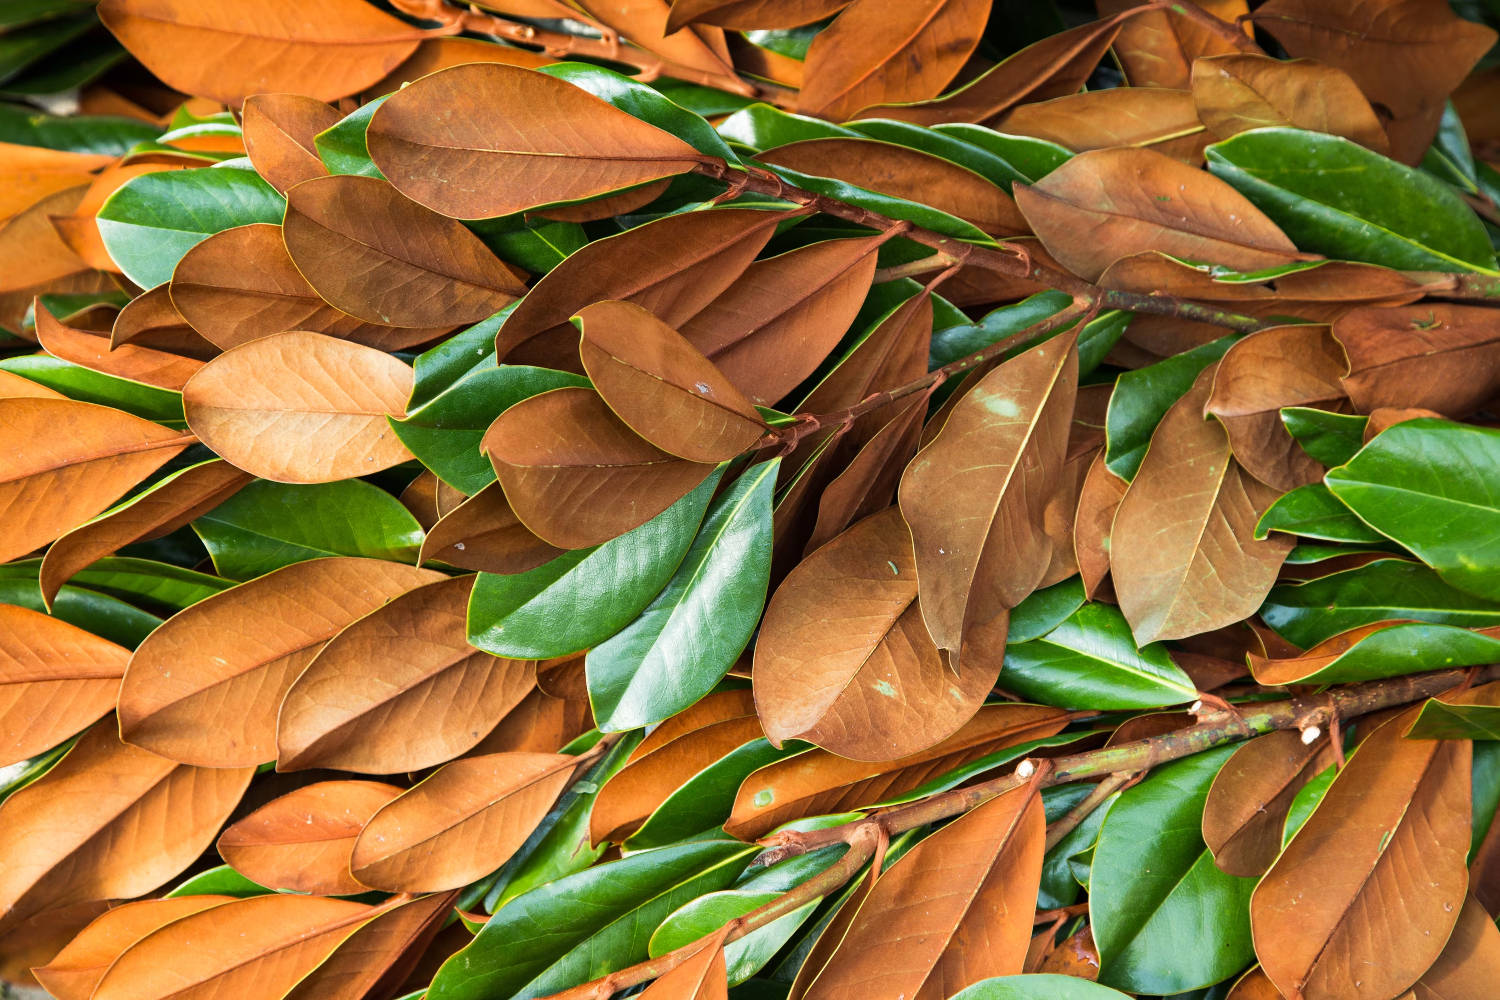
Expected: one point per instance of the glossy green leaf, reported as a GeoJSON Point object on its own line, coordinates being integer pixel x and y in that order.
{"type": "Point", "coordinates": [1434, 487]}
{"type": "Point", "coordinates": [24, 46]}
{"type": "Point", "coordinates": [444, 365]}
{"type": "Point", "coordinates": [692, 633]}
{"type": "Point", "coordinates": [1155, 889]}
{"type": "Point", "coordinates": [761, 127]}
{"type": "Point", "coordinates": [1043, 610]}
{"type": "Point", "coordinates": [1313, 512]}
{"type": "Point", "coordinates": [90, 610]}
{"type": "Point", "coordinates": [993, 168]}
{"type": "Point", "coordinates": [705, 800]}
{"type": "Point", "coordinates": [77, 64]}
{"type": "Point", "coordinates": [220, 881]}
{"type": "Point", "coordinates": [78, 382]}
{"type": "Point", "coordinates": [1305, 801]}
{"type": "Point", "coordinates": [1335, 197]}
{"type": "Point", "coordinates": [444, 433]}
{"type": "Point", "coordinates": [533, 244]}
{"type": "Point", "coordinates": [647, 104]}
{"type": "Point", "coordinates": [268, 525]}
{"type": "Point", "coordinates": [25, 126]}
{"type": "Point", "coordinates": [884, 204]}
{"type": "Point", "coordinates": [1038, 986]}
{"type": "Point", "coordinates": [1383, 590]}
{"type": "Point", "coordinates": [961, 341]}
{"type": "Point", "coordinates": [1029, 158]}
{"type": "Point", "coordinates": [1440, 721]}
{"type": "Point", "coordinates": [583, 597]}
{"type": "Point", "coordinates": [1404, 648]}
{"type": "Point", "coordinates": [1059, 887]}
{"type": "Point", "coordinates": [154, 219]}
{"type": "Point", "coordinates": [1331, 438]}
{"type": "Point", "coordinates": [1485, 788]}
{"type": "Point", "coordinates": [1142, 397]}
{"type": "Point", "coordinates": [146, 581]}
{"type": "Point", "coordinates": [1091, 661]}
{"type": "Point", "coordinates": [586, 924]}
{"type": "Point", "coordinates": [342, 146]}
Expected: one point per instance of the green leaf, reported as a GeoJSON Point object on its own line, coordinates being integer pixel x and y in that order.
{"type": "Point", "coordinates": [961, 341]}
{"type": "Point", "coordinates": [1440, 721]}
{"type": "Point", "coordinates": [690, 636]}
{"type": "Point", "coordinates": [137, 580]}
{"type": "Point", "coordinates": [1165, 919]}
{"type": "Point", "coordinates": [1043, 610]}
{"type": "Point", "coordinates": [762, 127]}
{"type": "Point", "coordinates": [586, 924]}
{"type": "Point", "coordinates": [705, 800]}
{"type": "Point", "coordinates": [1434, 487]}
{"type": "Point", "coordinates": [268, 525]}
{"type": "Point", "coordinates": [1142, 397]}
{"type": "Point", "coordinates": [220, 881]}
{"type": "Point", "coordinates": [73, 67]}
{"type": "Point", "coordinates": [955, 149]}
{"type": "Point", "coordinates": [710, 102]}
{"type": "Point", "coordinates": [1404, 648]}
{"type": "Point", "coordinates": [979, 766]}
{"type": "Point", "coordinates": [1058, 887]}
{"type": "Point", "coordinates": [90, 610]}
{"type": "Point", "coordinates": [647, 104]}
{"type": "Point", "coordinates": [1337, 198]}
{"type": "Point", "coordinates": [1331, 438]}
{"type": "Point", "coordinates": [444, 433]}
{"type": "Point", "coordinates": [22, 773]}
{"type": "Point", "coordinates": [154, 219]}
{"type": "Point", "coordinates": [1305, 801]}
{"type": "Point", "coordinates": [1485, 786]}
{"type": "Point", "coordinates": [1091, 661]}
{"type": "Point", "coordinates": [1312, 511]}
{"type": "Point", "coordinates": [342, 146]}
{"type": "Point", "coordinates": [1030, 159]}
{"type": "Point", "coordinates": [583, 597]}
{"type": "Point", "coordinates": [885, 204]}
{"type": "Point", "coordinates": [1307, 613]}
{"type": "Point", "coordinates": [468, 351]}
{"type": "Point", "coordinates": [22, 47]}
{"type": "Point", "coordinates": [78, 382]}
{"type": "Point", "coordinates": [112, 136]}
{"type": "Point", "coordinates": [1038, 986]}
{"type": "Point", "coordinates": [15, 13]}
{"type": "Point", "coordinates": [533, 244]}
{"type": "Point", "coordinates": [1449, 158]}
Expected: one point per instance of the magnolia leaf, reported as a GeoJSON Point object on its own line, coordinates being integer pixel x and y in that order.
{"type": "Point", "coordinates": [279, 137]}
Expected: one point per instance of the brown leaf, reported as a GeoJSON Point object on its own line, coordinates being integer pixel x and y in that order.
{"type": "Point", "coordinates": [205, 687]}
{"type": "Point", "coordinates": [483, 139]}
{"type": "Point", "coordinates": [662, 387]}
{"type": "Point", "coordinates": [1098, 500]}
{"type": "Point", "coordinates": [673, 267]}
{"type": "Point", "coordinates": [818, 782]}
{"type": "Point", "coordinates": [434, 54]}
{"type": "Point", "coordinates": [1386, 417]}
{"type": "Point", "coordinates": [151, 320]}
{"type": "Point", "coordinates": [905, 173]}
{"type": "Point", "coordinates": [1254, 985]}
{"type": "Point", "coordinates": [745, 15]}
{"type": "Point", "coordinates": [231, 49]}
{"type": "Point", "coordinates": [576, 475]}
{"type": "Point", "coordinates": [1374, 880]}
{"type": "Point", "coordinates": [701, 977]}
{"type": "Point", "coordinates": [109, 821]}
{"type": "Point", "coordinates": [894, 354]}
{"type": "Point", "coordinates": [1182, 551]}
{"type": "Point", "coordinates": [382, 946]}
{"type": "Point", "coordinates": [541, 723]}
{"type": "Point", "coordinates": [301, 841]}
{"type": "Point", "coordinates": [399, 690]}
{"type": "Point", "coordinates": [92, 350]}
{"type": "Point", "coordinates": [30, 173]}
{"type": "Point", "coordinates": [181, 497]}
{"type": "Point", "coordinates": [771, 329]}
{"type": "Point", "coordinates": [461, 823]}
{"type": "Point", "coordinates": [1469, 966]}
{"type": "Point", "coordinates": [956, 909]}
{"type": "Point", "coordinates": [1438, 357]}
{"type": "Point", "coordinates": [484, 534]}
{"type": "Point", "coordinates": [374, 253]}
{"type": "Point", "coordinates": [1164, 121]}
{"type": "Point", "coordinates": [874, 53]}
{"type": "Point", "coordinates": [644, 23]}
{"type": "Point", "coordinates": [1078, 956]}
{"type": "Point", "coordinates": [13, 386]}
{"type": "Point", "coordinates": [1269, 369]}
{"type": "Point", "coordinates": [241, 284]}
{"type": "Point", "coordinates": [674, 751]}
{"type": "Point", "coordinates": [259, 946]}
{"type": "Point", "coordinates": [279, 130]}
{"type": "Point", "coordinates": [32, 252]}
{"type": "Point", "coordinates": [1235, 93]}
{"type": "Point", "coordinates": [79, 228]}
{"type": "Point", "coordinates": [868, 483]}
{"type": "Point", "coordinates": [844, 660]}
{"type": "Point", "coordinates": [1158, 48]}
{"type": "Point", "coordinates": [37, 939]}
{"type": "Point", "coordinates": [301, 407]}
{"type": "Point", "coordinates": [976, 495]}
{"type": "Point", "coordinates": [55, 679]}
{"type": "Point", "coordinates": [76, 970]}
{"type": "Point", "coordinates": [1251, 795]}
{"type": "Point", "coordinates": [1109, 203]}
{"type": "Point", "coordinates": [79, 458]}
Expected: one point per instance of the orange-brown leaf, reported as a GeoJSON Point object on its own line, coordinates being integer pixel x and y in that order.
{"type": "Point", "coordinates": [484, 534]}
{"type": "Point", "coordinates": [1098, 500]}
{"type": "Point", "coordinates": [701, 977]}
{"type": "Point", "coordinates": [1235, 93]}
{"type": "Point", "coordinates": [128, 361]}
{"type": "Point", "coordinates": [279, 131]}
{"type": "Point", "coordinates": [381, 948]}
{"type": "Point", "coordinates": [1163, 121]}
{"type": "Point", "coordinates": [32, 252]}
{"type": "Point", "coordinates": [1251, 795]}
{"type": "Point", "coordinates": [752, 14]}
{"type": "Point", "coordinates": [151, 320]}
{"type": "Point", "coordinates": [1469, 966]}
{"type": "Point", "coordinates": [1438, 357]}
{"type": "Point", "coordinates": [1158, 48]}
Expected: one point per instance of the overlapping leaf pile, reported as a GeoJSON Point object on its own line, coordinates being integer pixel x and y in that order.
{"type": "Point", "coordinates": [926, 499]}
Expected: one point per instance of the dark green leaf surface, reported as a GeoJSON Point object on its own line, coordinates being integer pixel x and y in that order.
{"type": "Point", "coordinates": [993, 168]}
{"type": "Point", "coordinates": [1038, 986]}
{"type": "Point", "coordinates": [960, 341]}
{"type": "Point", "coordinates": [1331, 438]}
{"type": "Point", "coordinates": [1440, 721]}
{"type": "Point", "coordinates": [1335, 197]}
{"type": "Point", "coordinates": [78, 382]}
{"type": "Point", "coordinates": [1165, 919]}
{"type": "Point", "coordinates": [705, 800]}
{"type": "Point", "coordinates": [220, 881]}
{"type": "Point", "coordinates": [464, 353]}
{"type": "Point", "coordinates": [1434, 487]}
{"type": "Point", "coordinates": [79, 134]}
{"type": "Point", "coordinates": [88, 609]}
{"type": "Point", "coordinates": [147, 581]}
{"type": "Point", "coordinates": [887, 205]}
{"type": "Point", "coordinates": [268, 525]}
{"type": "Point", "coordinates": [342, 147]}
{"type": "Point", "coordinates": [1406, 648]}
{"type": "Point", "coordinates": [1142, 397]}
{"type": "Point", "coordinates": [1313, 512]}
{"type": "Point", "coordinates": [761, 127]}
{"type": "Point", "coordinates": [643, 102]}
{"type": "Point", "coordinates": [1043, 610]}
{"type": "Point", "coordinates": [690, 636]}
{"type": "Point", "coordinates": [1058, 887]}
{"type": "Point", "coordinates": [21, 48]}
{"type": "Point", "coordinates": [583, 597]}
{"type": "Point", "coordinates": [1031, 159]}
{"type": "Point", "coordinates": [1305, 801]}
{"type": "Point", "coordinates": [536, 244]}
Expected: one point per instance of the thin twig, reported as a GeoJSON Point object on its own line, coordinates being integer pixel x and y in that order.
{"type": "Point", "coordinates": [1095, 798]}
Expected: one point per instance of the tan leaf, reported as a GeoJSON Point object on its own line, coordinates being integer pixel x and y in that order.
{"type": "Point", "coordinates": [434, 54]}
{"type": "Point", "coordinates": [1235, 93]}
{"type": "Point", "coordinates": [701, 977]}
{"type": "Point", "coordinates": [279, 130]}
{"type": "Point", "coordinates": [874, 53]}
{"type": "Point", "coordinates": [399, 690]}
{"type": "Point", "coordinates": [576, 475]}
{"type": "Point", "coordinates": [32, 252]}
{"type": "Point", "coordinates": [1164, 121]}
{"type": "Point", "coordinates": [461, 823]}
{"type": "Point", "coordinates": [484, 534]}
{"type": "Point", "coordinates": [975, 499]}
{"type": "Point", "coordinates": [240, 285]}
{"type": "Point", "coordinates": [79, 458]}
{"type": "Point", "coordinates": [80, 230]}
{"type": "Point", "coordinates": [13, 386]}
{"type": "Point", "coordinates": [1254, 985]}
{"type": "Point", "coordinates": [485, 139]}
{"type": "Point", "coordinates": [301, 841]}
{"type": "Point", "coordinates": [844, 660]}
{"type": "Point", "coordinates": [1110, 203]}
{"type": "Point", "coordinates": [230, 49]}
{"type": "Point", "coordinates": [541, 723]}
{"type": "Point", "coordinates": [1098, 500]}
{"type": "Point", "coordinates": [868, 483]}
{"type": "Point", "coordinates": [151, 320]}
{"type": "Point", "coordinates": [1158, 48]}
{"type": "Point", "coordinates": [1182, 548]}
{"type": "Point", "coordinates": [1469, 966]}
{"type": "Point", "coordinates": [55, 679]}
{"type": "Point", "coordinates": [752, 14]}
{"type": "Point", "coordinates": [109, 821]}
{"type": "Point", "coordinates": [300, 407]}
{"type": "Point", "coordinates": [955, 910]}
{"type": "Point", "coordinates": [377, 952]}
{"type": "Point", "coordinates": [662, 387]}
{"type": "Point", "coordinates": [1438, 357]}
{"type": "Point", "coordinates": [205, 687]}
{"type": "Point", "coordinates": [644, 22]}
{"type": "Point", "coordinates": [128, 361]}
{"type": "Point", "coordinates": [1375, 878]}
{"type": "Point", "coordinates": [1251, 795]}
